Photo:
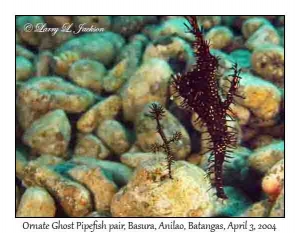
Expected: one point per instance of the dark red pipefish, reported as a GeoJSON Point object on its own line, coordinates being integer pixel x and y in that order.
{"type": "Point", "coordinates": [200, 93]}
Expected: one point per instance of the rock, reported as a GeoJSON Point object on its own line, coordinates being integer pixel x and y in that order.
{"type": "Point", "coordinates": [114, 135]}
{"type": "Point", "coordinates": [99, 214]}
{"type": "Point", "coordinates": [149, 83]}
{"type": "Point", "coordinates": [278, 208]}
{"type": "Point", "coordinates": [134, 148]}
{"type": "Point", "coordinates": [26, 25]}
{"type": "Point", "coordinates": [147, 135]}
{"type": "Point", "coordinates": [24, 68]}
{"type": "Point", "coordinates": [251, 25]}
{"type": "Point", "coordinates": [18, 197]}
{"type": "Point", "coordinates": [26, 115]}
{"type": "Point", "coordinates": [21, 163]}
{"type": "Point", "coordinates": [23, 52]}
{"type": "Point", "coordinates": [43, 63]}
{"type": "Point", "coordinates": [45, 160]}
{"type": "Point", "coordinates": [58, 21]}
{"type": "Point", "coordinates": [261, 141]}
{"type": "Point", "coordinates": [273, 181]}
{"type": "Point", "coordinates": [94, 179]}
{"type": "Point", "coordinates": [63, 61]}
{"type": "Point", "coordinates": [268, 62]}
{"type": "Point", "coordinates": [133, 159]}
{"type": "Point", "coordinates": [51, 92]}
{"type": "Point", "coordinates": [219, 37]}
{"type": "Point", "coordinates": [150, 193]}
{"type": "Point", "coordinates": [195, 158]}
{"type": "Point", "coordinates": [259, 123]}
{"type": "Point", "coordinates": [50, 134]}
{"type": "Point", "coordinates": [116, 77]}
{"type": "Point", "coordinates": [236, 172]}
{"type": "Point", "coordinates": [239, 113]}
{"type": "Point", "coordinates": [127, 63]}
{"type": "Point", "coordinates": [258, 209]}
{"type": "Point", "coordinates": [101, 47]}
{"type": "Point", "coordinates": [262, 98]}
{"type": "Point", "coordinates": [96, 22]}
{"type": "Point", "coordinates": [88, 74]}
{"type": "Point", "coordinates": [236, 204]}
{"type": "Point", "coordinates": [176, 51]}
{"type": "Point", "coordinates": [208, 21]}
{"type": "Point", "coordinates": [91, 146]}
{"type": "Point", "coordinates": [36, 202]}
{"type": "Point", "coordinates": [242, 57]}
{"type": "Point", "coordinates": [104, 110]}
{"type": "Point", "coordinates": [169, 28]}
{"type": "Point", "coordinates": [120, 172]}
{"type": "Point", "coordinates": [266, 34]}
{"type": "Point", "coordinates": [129, 25]}
{"type": "Point", "coordinates": [74, 198]}
{"type": "Point", "coordinates": [266, 157]}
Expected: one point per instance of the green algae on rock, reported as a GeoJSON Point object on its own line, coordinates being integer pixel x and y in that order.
{"type": "Point", "coordinates": [36, 202]}
{"type": "Point", "coordinates": [49, 134]}
{"type": "Point", "coordinates": [150, 193]}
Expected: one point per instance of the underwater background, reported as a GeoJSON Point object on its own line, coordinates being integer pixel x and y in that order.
{"type": "Point", "coordinates": [84, 139]}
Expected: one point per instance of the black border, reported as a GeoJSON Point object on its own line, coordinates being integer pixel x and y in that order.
{"type": "Point", "coordinates": [284, 102]}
